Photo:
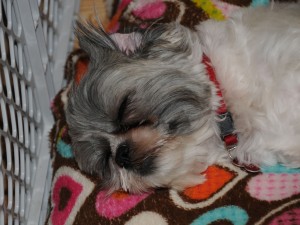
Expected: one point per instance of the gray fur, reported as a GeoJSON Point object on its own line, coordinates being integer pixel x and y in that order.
{"type": "Point", "coordinates": [150, 87]}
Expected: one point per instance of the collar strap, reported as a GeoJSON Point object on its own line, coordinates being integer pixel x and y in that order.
{"type": "Point", "coordinates": [225, 122]}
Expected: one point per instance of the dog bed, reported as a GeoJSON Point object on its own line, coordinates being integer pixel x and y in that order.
{"type": "Point", "coordinates": [229, 196]}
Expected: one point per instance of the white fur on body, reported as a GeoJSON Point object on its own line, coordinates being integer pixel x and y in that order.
{"type": "Point", "coordinates": [256, 56]}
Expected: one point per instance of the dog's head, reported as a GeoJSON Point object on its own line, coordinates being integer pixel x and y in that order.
{"type": "Point", "coordinates": [133, 113]}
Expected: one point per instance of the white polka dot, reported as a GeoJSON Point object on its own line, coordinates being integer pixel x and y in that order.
{"type": "Point", "coordinates": [147, 218]}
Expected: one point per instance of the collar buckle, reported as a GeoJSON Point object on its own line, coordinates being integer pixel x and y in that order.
{"type": "Point", "coordinates": [225, 124]}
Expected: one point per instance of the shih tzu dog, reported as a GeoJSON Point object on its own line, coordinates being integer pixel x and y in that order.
{"type": "Point", "coordinates": [146, 112]}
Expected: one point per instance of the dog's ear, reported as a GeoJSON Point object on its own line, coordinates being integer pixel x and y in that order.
{"type": "Point", "coordinates": [93, 39]}
{"type": "Point", "coordinates": [164, 41]}
{"type": "Point", "coordinates": [96, 42]}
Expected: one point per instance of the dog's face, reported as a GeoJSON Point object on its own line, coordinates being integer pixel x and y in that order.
{"type": "Point", "coordinates": [133, 114]}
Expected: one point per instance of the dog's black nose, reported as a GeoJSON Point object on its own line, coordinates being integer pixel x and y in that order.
{"type": "Point", "coordinates": [122, 156]}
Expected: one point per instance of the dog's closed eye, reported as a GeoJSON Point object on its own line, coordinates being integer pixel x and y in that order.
{"type": "Point", "coordinates": [173, 125]}
{"type": "Point", "coordinates": [122, 108]}
{"type": "Point", "coordinates": [126, 124]}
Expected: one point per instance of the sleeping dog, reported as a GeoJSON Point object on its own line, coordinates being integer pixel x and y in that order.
{"type": "Point", "coordinates": [157, 107]}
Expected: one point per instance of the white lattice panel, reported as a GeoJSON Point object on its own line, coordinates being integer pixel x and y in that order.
{"type": "Point", "coordinates": [31, 35]}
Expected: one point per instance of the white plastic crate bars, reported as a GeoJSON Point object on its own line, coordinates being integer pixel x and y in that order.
{"type": "Point", "coordinates": [35, 37]}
